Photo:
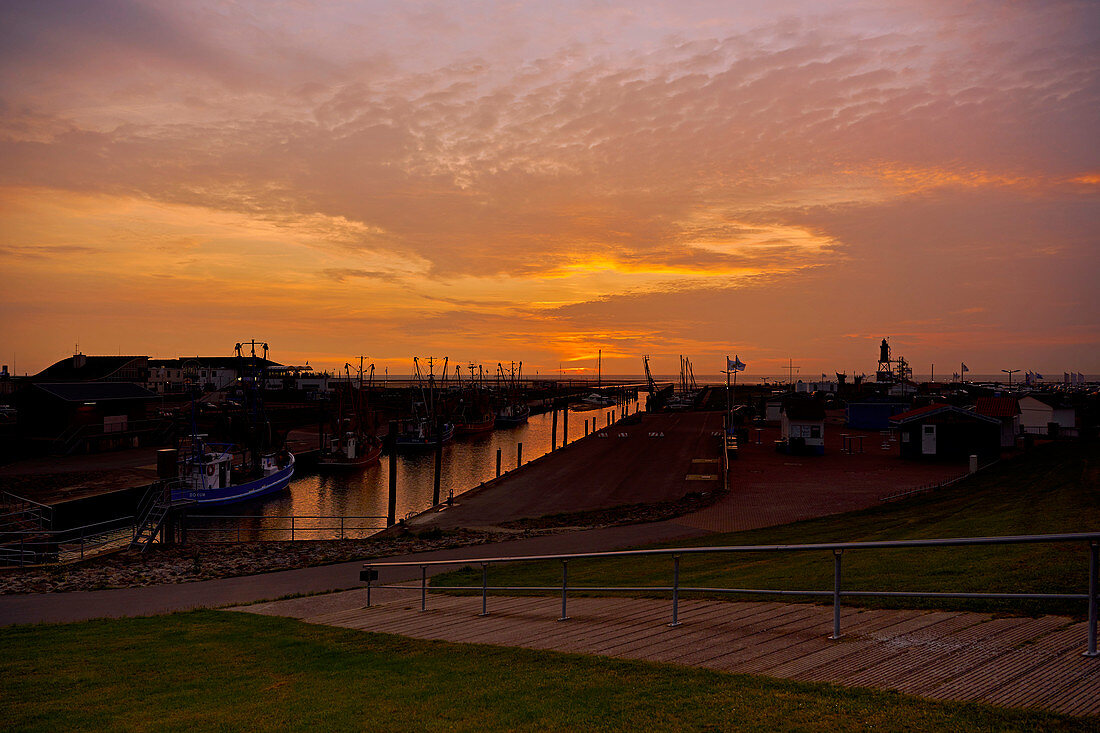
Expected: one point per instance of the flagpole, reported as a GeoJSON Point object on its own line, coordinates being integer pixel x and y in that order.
{"type": "Point", "coordinates": [729, 403]}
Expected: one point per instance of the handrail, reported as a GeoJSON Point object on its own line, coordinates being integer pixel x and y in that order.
{"type": "Point", "coordinates": [370, 573]}
{"type": "Point", "coordinates": [875, 544]}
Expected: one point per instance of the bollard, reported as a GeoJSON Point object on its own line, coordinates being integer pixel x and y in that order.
{"type": "Point", "coordinates": [391, 514]}
{"type": "Point", "coordinates": [498, 462]}
{"type": "Point", "coordinates": [836, 594]}
{"type": "Point", "coordinates": [438, 460]}
{"type": "Point", "coordinates": [564, 587]}
{"type": "Point", "coordinates": [484, 588]}
{"type": "Point", "coordinates": [675, 591]}
{"type": "Point", "coordinates": [423, 587]}
{"type": "Point", "coordinates": [1094, 551]}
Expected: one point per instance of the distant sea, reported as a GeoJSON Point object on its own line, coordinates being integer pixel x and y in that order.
{"type": "Point", "coordinates": [1052, 379]}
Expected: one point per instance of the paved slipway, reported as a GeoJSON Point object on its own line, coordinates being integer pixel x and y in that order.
{"type": "Point", "coordinates": [659, 459]}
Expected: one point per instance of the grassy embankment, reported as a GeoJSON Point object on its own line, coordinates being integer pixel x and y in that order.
{"type": "Point", "coordinates": [228, 671]}
{"type": "Point", "coordinates": [1054, 489]}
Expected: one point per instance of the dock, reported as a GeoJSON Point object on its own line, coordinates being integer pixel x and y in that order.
{"type": "Point", "coordinates": [660, 458]}
{"type": "Point", "coordinates": [941, 655]}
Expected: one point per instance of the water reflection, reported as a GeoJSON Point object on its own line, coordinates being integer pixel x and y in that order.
{"type": "Point", "coordinates": [355, 504]}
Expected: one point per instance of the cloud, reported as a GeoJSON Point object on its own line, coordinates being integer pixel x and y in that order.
{"type": "Point", "coordinates": [576, 161]}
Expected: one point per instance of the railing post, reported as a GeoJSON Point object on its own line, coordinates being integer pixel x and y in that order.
{"type": "Point", "coordinates": [836, 593]}
{"type": "Point", "coordinates": [484, 588]}
{"type": "Point", "coordinates": [498, 461]}
{"type": "Point", "coordinates": [369, 573]}
{"type": "Point", "coordinates": [341, 526]}
{"type": "Point", "coordinates": [423, 587]}
{"type": "Point", "coordinates": [675, 591]}
{"type": "Point", "coordinates": [1094, 550]}
{"type": "Point", "coordinates": [564, 588]}
{"type": "Point", "coordinates": [291, 527]}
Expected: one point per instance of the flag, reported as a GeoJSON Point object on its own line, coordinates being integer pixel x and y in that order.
{"type": "Point", "coordinates": [965, 368]}
{"type": "Point", "coordinates": [734, 365]}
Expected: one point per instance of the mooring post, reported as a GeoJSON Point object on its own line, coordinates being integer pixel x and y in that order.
{"type": "Point", "coordinates": [368, 585]}
{"type": "Point", "coordinates": [586, 428]}
{"type": "Point", "coordinates": [564, 588]}
{"type": "Point", "coordinates": [484, 588]}
{"type": "Point", "coordinates": [519, 454]}
{"type": "Point", "coordinates": [438, 459]}
{"type": "Point", "coordinates": [498, 462]}
{"type": "Point", "coordinates": [1094, 551]}
{"type": "Point", "coordinates": [553, 426]}
{"type": "Point", "coordinates": [391, 515]}
{"type": "Point", "coordinates": [423, 587]}
{"type": "Point", "coordinates": [836, 594]}
{"type": "Point", "coordinates": [565, 424]}
{"type": "Point", "coordinates": [675, 591]}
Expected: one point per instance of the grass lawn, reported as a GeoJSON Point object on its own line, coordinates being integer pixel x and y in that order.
{"type": "Point", "coordinates": [1055, 488]}
{"type": "Point", "coordinates": [231, 671]}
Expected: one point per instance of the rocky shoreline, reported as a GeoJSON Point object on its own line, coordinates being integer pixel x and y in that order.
{"type": "Point", "coordinates": [196, 562]}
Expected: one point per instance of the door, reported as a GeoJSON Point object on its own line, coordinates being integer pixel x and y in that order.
{"type": "Point", "coordinates": [928, 440]}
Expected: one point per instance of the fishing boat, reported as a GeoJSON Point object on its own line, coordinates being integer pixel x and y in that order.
{"type": "Point", "coordinates": [213, 474]}
{"type": "Point", "coordinates": [421, 434]}
{"type": "Point", "coordinates": [594, 401]}
{"type": "Point", "coordinates": [512, 409]}
{"type": "Point", "coordinates": [353, 445]}
{"type": "Point", "coordinates": [425, 428]}
{"type": "Point", "coordinates": [473, 412]}
{"type": "Point", "coordinates": [351, 449]}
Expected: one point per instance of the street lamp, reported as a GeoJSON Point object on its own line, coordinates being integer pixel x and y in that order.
{"type": "Point", "coordinates": [1010, 372]}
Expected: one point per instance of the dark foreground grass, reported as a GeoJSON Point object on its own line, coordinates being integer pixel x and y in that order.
{"type": "Point", "coordinates": [1053, 489]}
{"type": "Point", "coordinates": [228, 671]}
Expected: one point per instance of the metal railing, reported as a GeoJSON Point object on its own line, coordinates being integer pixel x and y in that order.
{"type": "Point", "coordinates": [59, 546]}
{"type": "Point", "coordinates": [250, 527]}
{"type": "Point", "coordinates": [18, 512]}
{"type": "Point", "coordinates": [837, 549]}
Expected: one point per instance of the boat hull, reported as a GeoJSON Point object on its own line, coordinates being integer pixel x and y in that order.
{"type": "Point", "coordinates": [511, 421]}
{"type": "Point", "coordinates": [340, 463]}
{"type": "Point", "coordinates": [465, 428]}
{"type": "Point", "coordinates": [232, 494]}
{"type": "Point", "coordinates": [407, 442]}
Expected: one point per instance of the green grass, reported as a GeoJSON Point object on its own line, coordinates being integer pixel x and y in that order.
{"type": "Point", "coordinates": [213, 670]}
{"type": "Point", "coordinates": [1051, 490]}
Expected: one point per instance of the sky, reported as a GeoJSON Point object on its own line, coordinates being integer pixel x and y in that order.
{"type": "Point", "coordinates": [546, 181]}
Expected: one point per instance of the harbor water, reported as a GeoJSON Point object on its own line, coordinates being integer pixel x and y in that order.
{"type": "Point", "coordinates": [353, 504]}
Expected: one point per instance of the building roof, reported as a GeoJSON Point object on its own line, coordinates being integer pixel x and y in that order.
{"type": "Point", "coordinates": [999, 407]}
{"type": "Point", "coordinates": [804, 410]}
{"type": "Point", "coordinates": [1055, 401]}
{"type": "Point", "coordinates": [96, 391]}
{"type": "Point", "coordinates": [81, 368]}
{"type": "Point", "coordinates": [940, 413]}
{"type": "Point", "coordinates": [211, 362]}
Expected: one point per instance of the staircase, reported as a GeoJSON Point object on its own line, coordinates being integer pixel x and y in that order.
{"type": "Point", "coordinates": [151, 514]}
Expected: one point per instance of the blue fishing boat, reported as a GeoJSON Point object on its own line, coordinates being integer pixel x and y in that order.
{"type": "Point", "coordinates": [213, 474]}
{"type": "Point", "coordinates": [210, 474]}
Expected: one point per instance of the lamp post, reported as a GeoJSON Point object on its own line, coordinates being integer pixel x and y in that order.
{"type": "Point", "coordinates": [1010, 372]}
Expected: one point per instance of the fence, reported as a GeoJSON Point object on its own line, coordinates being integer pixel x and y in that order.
{"type": "Point", "coordinates": [1092, 539]}
{"type": "Point", "coordinates": [49, 547]}
{"type": "Point", "coordinates": [261, 528]}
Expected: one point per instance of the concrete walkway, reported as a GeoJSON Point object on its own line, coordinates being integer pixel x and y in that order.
{"type": "Point", "coordinates": [151, 600]}
{"type": "Point", "coordinates": [1015, 662]}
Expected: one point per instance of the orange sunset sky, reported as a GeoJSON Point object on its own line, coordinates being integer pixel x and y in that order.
{"type": "Point", "coordinates": [536, 181]}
